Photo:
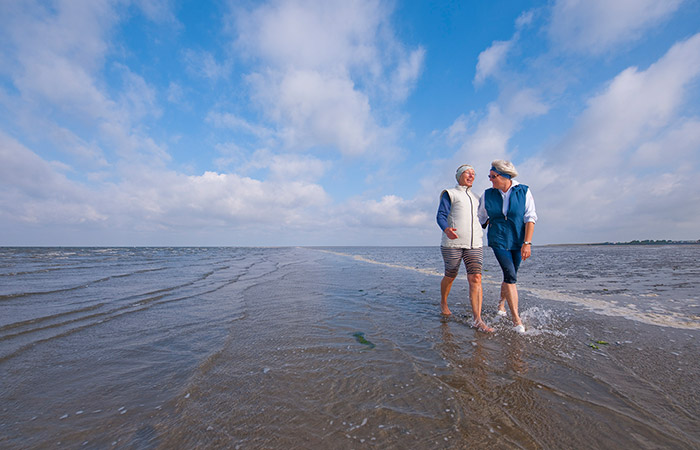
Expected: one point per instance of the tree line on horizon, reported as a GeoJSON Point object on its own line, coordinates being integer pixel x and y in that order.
{"type": "Point", "coordinates": [652, 242]}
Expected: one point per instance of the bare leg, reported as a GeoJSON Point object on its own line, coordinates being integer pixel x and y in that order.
{"type": "Point", "coordinates": [502, 301]}
{"type": "Point", "coordinates": [511, 291]}
{"type": "Point", "coordinates": [445, 287]}
{"type": "Point", "coordinates": [476, 297]}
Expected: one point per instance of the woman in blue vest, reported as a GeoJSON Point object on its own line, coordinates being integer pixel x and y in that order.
{"type": "Point", "coordinates": [509, 211]}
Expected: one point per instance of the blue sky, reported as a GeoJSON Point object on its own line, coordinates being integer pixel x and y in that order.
{"type": "Point", "coordinates": [338, 123]}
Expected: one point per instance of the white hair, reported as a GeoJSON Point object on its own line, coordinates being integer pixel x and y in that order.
{"type": "Point", "coordinates": [504, 166]}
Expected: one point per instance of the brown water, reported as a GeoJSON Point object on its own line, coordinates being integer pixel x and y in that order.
{"type": "Point", "coordinates": [258, 348]}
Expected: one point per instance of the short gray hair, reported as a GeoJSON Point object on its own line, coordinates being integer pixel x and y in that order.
{"type": "Point", "coordinates": [504, 166]}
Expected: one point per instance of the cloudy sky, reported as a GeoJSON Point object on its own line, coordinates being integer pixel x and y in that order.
{"type": "Point", "coordinates": [300, 122]}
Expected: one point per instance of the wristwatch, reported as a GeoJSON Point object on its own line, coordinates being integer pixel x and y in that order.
{"type": "Point", "coordinates": [527, 243]}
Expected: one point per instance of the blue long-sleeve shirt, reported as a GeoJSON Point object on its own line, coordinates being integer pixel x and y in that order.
{"type": "Point", "coordinates": [444, 210]}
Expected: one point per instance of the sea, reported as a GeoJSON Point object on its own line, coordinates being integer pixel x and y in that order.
{"type": "Point", "coordinates": [345, 348]}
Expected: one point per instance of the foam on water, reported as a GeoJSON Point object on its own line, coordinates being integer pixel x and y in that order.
{"type": "Point", "coordinates": [540, 321]}
{"type": "Point", "coordinates": [385, 264]}
{"type": "Point", "coordinates": [629, 311]}
{"type": "Point", "coordinates": [657, 315]}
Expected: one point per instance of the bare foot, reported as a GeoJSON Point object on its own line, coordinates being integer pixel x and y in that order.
{"type": "Point", "coordinates": [446, 311]}
{"type": "Point", "coordinates": [481, 326]}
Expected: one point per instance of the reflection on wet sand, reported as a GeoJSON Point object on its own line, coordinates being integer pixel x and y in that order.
{"type": "Point", "coordinates": [295, 348]}
{"type": "Point", "coordinates": [487, 377]}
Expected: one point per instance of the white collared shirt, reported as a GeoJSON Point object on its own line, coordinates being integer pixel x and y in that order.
{"type": "Point", "coordinates": [530, 213]}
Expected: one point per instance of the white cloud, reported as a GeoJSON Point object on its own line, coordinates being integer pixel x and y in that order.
{"type": "Point", "coordinates": [390, 211]}
{"type": "Point", "coordinates": [596, 26]}
{"type": "Point", "coordinates": [407, 74]}
{"type": "Point", "coordinates": [523, 104]}
{"type": "Point", "coordinates": [204, 64]}
{"type": "Point", "coordinates": [634, 108]}
{"type": "Point", "coordinates": [296, 167]}
{"type": "Point", "coordinates": [625, 159]}
{"type": "Point", "coordinates": [132, 146]}
{"type": "Point", "coordinates": [317, 109]}
{"type": "Point", "coordinates": [319, 35]}
{"type": "Point", "coordinates": [137, 99]}
{"type": "Point", "coordinates": [174, 201]}
{"type": "Point", "coordinates": [71, 143]}
{"type": "Point", "coordinates": [320, 65]}
{"type": "Point", "coordinates": [283, 167]}
{"type": "Point", "coordinates": [56, 60]}
{"type": "Point", "coordinates": [491, 60]}
{"type": "Point", "coordinates": [151, 199]}
{"type": "Point", "coordinates": [674, 148]}
{"type": "Point", "coordinates": [457, 132]}
{"type": "Point", "coordinates": [175, 93]}
{"type": "Point", "coordinates": [32, 191]}
{"type": "Point", "coordinates": [590, 183]}
{"type": "Point", "coordinates": [328, 77]}
{"type": "Point", "coordinates": [54, 54]}
{"type": "Point", "coordinates": [234, 122]}
{"type": "Point", "coordinates": [483, 139]}
{"type": "Point", "coordinates": [525, 19]}
{"type": "Point", "coordinates": [490, 139]}
{"type": "Point", "coordinates": [159, 11]}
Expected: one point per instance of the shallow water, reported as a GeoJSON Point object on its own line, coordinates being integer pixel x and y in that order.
{"type": "Point", "coordinates": [258, 348]}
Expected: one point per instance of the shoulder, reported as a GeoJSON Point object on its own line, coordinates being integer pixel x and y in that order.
{"type": "Point", "coordinates": [456, 191]}
{"type": "Point", "coordinates": [447, 193]}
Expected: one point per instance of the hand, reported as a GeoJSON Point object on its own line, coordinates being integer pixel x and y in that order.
{"type": "Point", "coordinates": [451, 233]}
{"type": "Point", "coordinates": [526, 251]}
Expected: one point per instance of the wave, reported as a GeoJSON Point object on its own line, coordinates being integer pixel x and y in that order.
{"type": "Point", "coordinates": [20, 336]}
{"type": "Point", "coordinates": [598, 306]}
{"type": "Point", "coordinates": [385, 264]}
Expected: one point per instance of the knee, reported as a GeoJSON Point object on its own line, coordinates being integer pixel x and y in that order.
{"type": "Point", "coordinates": [474, 278]}
{"type": "Point", "coordinates": [450, 275]}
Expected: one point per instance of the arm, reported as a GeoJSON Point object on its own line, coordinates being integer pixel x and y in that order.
{"type": "Point", "coordinates": [530, 212]}
{"type": "Point", "coordinates": [481, 212]}
{"type": "Point", "coordinates": [442, 213]}
{"type": "Point", "coordinates": [526, 249]}
{"type": "Point", "coordinates": [530, 218]}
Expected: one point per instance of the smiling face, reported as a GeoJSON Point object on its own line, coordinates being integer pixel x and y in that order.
{"type": "Point", "coordinates": [467, 178]}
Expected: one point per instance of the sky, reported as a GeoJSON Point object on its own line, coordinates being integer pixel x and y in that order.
{"type": "Point", "coordinates": [335, 122]}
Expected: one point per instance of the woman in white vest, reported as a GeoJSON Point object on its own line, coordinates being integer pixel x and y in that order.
{"type": "Point", "coordinates": [462, 240]}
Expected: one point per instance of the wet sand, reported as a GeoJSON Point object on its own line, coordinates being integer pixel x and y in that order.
{"type": "Point", "coordinates": [283, 367]}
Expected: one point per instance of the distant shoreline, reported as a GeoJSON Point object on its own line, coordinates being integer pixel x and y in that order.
{"type": "Point", "coordinates": [636, 242]}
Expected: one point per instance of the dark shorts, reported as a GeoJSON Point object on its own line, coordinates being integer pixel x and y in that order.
{"type": "Point", "coordinates": [473, 260]}
{"type": "Point", "coordinates": [509, 260]}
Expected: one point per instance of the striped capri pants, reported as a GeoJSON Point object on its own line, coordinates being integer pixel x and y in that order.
{"type": "Point", "coordinates": [473, 260]}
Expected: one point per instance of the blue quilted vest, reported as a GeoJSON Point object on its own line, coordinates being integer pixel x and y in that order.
{"type": "Point", "coordinates": [506, 232]}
